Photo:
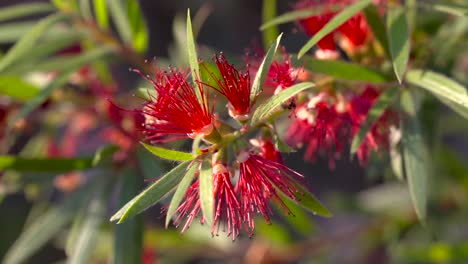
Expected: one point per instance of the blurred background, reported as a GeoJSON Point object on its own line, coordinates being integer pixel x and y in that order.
{"type": "Point", "coordinates": [373, 218]}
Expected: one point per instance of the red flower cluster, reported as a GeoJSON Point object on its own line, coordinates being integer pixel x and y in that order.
{"type": "Point", "coordinates": [326, 124]}
{"type": "Point", "coordinates": [355, 30]}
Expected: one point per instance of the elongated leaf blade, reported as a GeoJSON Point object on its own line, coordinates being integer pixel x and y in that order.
{"type": "Point", "coordinates": [263, 70]}
{"type": "Point", "coordinates": [152, 194]}
{"type": "Point", "coordinates": [102, 16]}
{"type": "Point", "coordinates": [168, 153]}
{"type": "Point", "coordinates": [138, 25]}
{"type": "Point", "coordinates": [192, 56]}
{"type": "Point", "coordinates": [398, 37]}
{"type": "Point", "coordinates": [11, 32]}
{"type": "Point", "coordinates": [288, 17]}
{"type": "Point", "coordinates": [128, 242]}
{"type": "Point", "coordinates": [415, 156]}
{"type": "Point", "coordinates": [269, 12]}
{"type": "Point", "coordinates": [334, 23]}
{"type": "Point", "coordinates": [27, 42]}
{"type": "Point", "coordinates": [206, 191]}
{"type": "Point", "coordinates": [44, 228]}
{"type": "Point", "coordinates": [381, 104]}
{"type": "Point", "coordinates": [448, 91]}
{"type": "Point", "coordinates": [265, 110]}
{"type": "Point", "coordinates": [180, 192]}
{"type": "Point", "coordinates": [308, 201]}
{"type": "Point", "coordinates": [8, 162]}
{"type": "Point", "coordinates": [21, 10]}
{"type": "Point", "coordinates": [119, 17]}
{"type": "Point", "coordinates": [377, 26]}
{"type": "Point", "coordinates": [17, 88]}
{"type": "Point", "coordinates": [344, 70]}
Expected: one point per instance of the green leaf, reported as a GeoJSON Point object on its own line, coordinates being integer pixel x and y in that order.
{"type": "Point", "coordinates": [120, 19]}
{"type": "Point", "coordinates": [128, 242]}
{"type": "Point", "coordinates": [180, 192]}
{"type": "Point", "coordinates": [457, 10]}
{"type": "Point", "coordinates": [415, 156]}
{"type": "Point", "coordinates": [168, 153]}
{"type": "Point", "coordinates": [17, 88]}
{"type": "Point", "coordinates": [11, 32]}
{"type": "Point", "coordinates": [104, 155]}
{"type": "Point", "coordinates": [381, 104]}
{"type": "Point", "coordinates": [263, 70]}
{"type": "Point", "coordinates": [147, 93]}
{"type": "Point", "coordinates": [138, 25]}
{"type": "Point", "coordinates": [448, 91]}
{"type": "Point", "coordinates": [344, 70]}
{"type": "Point", "coordinates": [265, 110]}
{"type": "Point", "coordinates": [28, 41]}
{"type": "Point", "coordinates": [206, 191]}
{"type": "Point", "coordinates": [152, 194]}
{"type": "Point", "coordinates": [377, 26]}
{"type": "Point", "coordinates": [21, 10]}
{"type": "Point", "coordinates": [192, 56]}
{"type": "Point", "coordinates": [102, 17]}
{"type": "Point", "coordinates": [149, 165]}
{"type": "Point", "coordinates": [334, 23]}
{"type": "Point", "coordinates": [269, 12]}
{"type": "Point", "coordinates": [45, 227]}
{"type": "Point", "coordinates": [308, 201]}
{"type": "Point", "coordinates": [8, 162]}
{"type": "Point", "coordinates": [398, 37]}
{"type": "Point", "coordinates": [85, 10]}
{"type": "Point", "coordinates": [87, 237]}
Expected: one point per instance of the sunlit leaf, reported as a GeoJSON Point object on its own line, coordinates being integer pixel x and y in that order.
{"type": "Point", "coordinates": [381, 104]}
{"type": "Point", "coordinates": [180, 192]}
{"type": "Point", "coordinates": [265, 110]}
{"type": "Point", "coordinates": [448, 91]}
{"type": "Point", "coordinates": [262, 71]}
{"type": "Point", "coordinates": [168, 153]}
{"type": "Point", "coordinates": [268, 13]}
{"type": "Point", "coordinates": [28, 41]}
{"type": "Point", "coordinates": [192, 55]}
{"type": "Point", "coordinates": [102, 17]}
{"type": "Point", "coordinates": [344, 70]}
{"type": "Point", "coordinates": [22, 10]}
{"type": "Point", "coordinates": [334, 23]}
{"type": "Point", "coordinates": [308, 201]}
{"type": "Point", "coordinates": [415, 156]}
{"type": "Point", "coordinates": [138, 25]}
{"type": "Point", "coordinates": [206, 191]}
{"type": "Point", "coordinates": [398, 37]}
{"type": "Point", "coordinates": [16, 88]}
{"type": "Point", "coordinates": [152, 194]}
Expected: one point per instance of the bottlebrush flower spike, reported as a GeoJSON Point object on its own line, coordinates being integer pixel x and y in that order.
{"type": "Point", "coordinates": [234, 85]}
{"type": "Point", "coordinates": [175, 113]}
{"type": "Point", "coordinates": [190, 207]}
{"type": "Point", "coordinates": [260, 180]}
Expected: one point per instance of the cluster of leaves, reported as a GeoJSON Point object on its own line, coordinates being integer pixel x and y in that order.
{"type": "Point", "coordinates": [88, 23]}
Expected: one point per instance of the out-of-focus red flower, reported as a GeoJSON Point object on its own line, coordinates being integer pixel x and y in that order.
{"type": "Point", "coordinates": [355, 31]}
{"type": "Point", "coordinates": [176, 112]}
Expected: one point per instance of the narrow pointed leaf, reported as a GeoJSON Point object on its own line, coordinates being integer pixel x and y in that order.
{"type": "Point", "coordinates": [415, 156]}
{"type": "Point", "coordinates": [8, 162]}
{"type": "Point", "coordinates": [377, 26]}
{"type": "Point", "coordinates": [269, 12]}
{"type": "Point", "coordinates": [168, 153]}
{"type": "Point", "coordinates": [381, 104]}
{"type": "Point", "coordinates": [11, 32]}
{"type": "Point", "coordinates": [334, 23]}
{"type": "Point", "coordinates": [180, 192]}
{"type": "Point", "coordinates": [138, 25]}
{"type": "Point", "coordinates": [206, 192]}
{"type": "Point", "coordinates": [28, 41]}
{"type": "Point", "coordinates": [448, 91]}
{"type": "Point", "coordinates": [152, 194]}
{"type": "Point", "coordinates": [21, 10]}
{"type": "Point", "coordinates": [16, 88]}
{"type": "Point", "coordinates": [308, 201]}
{"type": "Point", "coordinates": [102, 16]}
{"type": "Point", "coordinates": [192, 55]}
{"type": "Point", "coordinates": [117, 10]}
{"type": "Point", "coordinates": [263, 70]}
{"type": "Point", "coordinates": [128, 242]}
{"type": "Point", "coordinates": [288, 17]}
{"type": "Point", "coordinates": [457, 10]}
{"type": "Point", "coordinates": [45, 227]}
{"type": "Point", "coordinates": [344, 70]}
{"type": "Point", "coordinates": [265, 110]}
{"type": "Point", "coordinates": [398, 38]}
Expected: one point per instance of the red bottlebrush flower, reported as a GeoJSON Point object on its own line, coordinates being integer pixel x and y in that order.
{"type": "Point", "coordinates": [321, 127]}
{"type": "Point", "coordinates": [355, 30]}
{"type": "Point", "coordinates": [227, 208]}
{"type": "Point", "coordinates": [176, 112]}
{"type": "Point", "coordinates": [379, 135]}
{"type": "Point", "coordinates": [190, 207]}
{"type": "Point", "coordinates": [281, 74]}
{"type": "Point", "coordinates": [234, 85]}
{"type": "Point", "coordinates": [260, 180]}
